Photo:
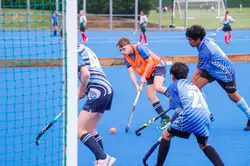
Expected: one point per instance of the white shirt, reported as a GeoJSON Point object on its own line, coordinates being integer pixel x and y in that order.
{"type": "Point", "coordinates": [143, 19]}
{"type": "Point", "coordinates": [83, 19]}
{"type": "Point", "coordinates": [228, 20]}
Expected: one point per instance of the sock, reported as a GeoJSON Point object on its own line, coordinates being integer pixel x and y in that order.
{"type": "Point", "coordinates": [83, 36]}
{"type": "Point", "coordinates": [244, 107]}
{"type": "Point", "coordinates": [91, 143]}
{"type": "Point", "coordinates": [140, 38]}
{"type": "Point", "coordinates": [158, 108]}
{"type": "Point", "coordinates": [212, 155]}
{"type": "Point", "coordinates": [166, 93]}
{"type": "Point", "coordinates": [98, 139]}
{"type": "Point", "coordinates": [163, 152]}
{"type": "Point", "coordinates": [225, 38]}
{"type": "Point", "coordinates": [248, 123]}
{"type": "Point", "coordinates": [54, 33]}
{"type": "Point", "coordinates": [229, 37]}
{"type": "Point", "coordinates": [145, 37]}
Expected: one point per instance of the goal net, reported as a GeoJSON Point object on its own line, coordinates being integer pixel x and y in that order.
{"type": "Point", "coordinates": [34, 86]}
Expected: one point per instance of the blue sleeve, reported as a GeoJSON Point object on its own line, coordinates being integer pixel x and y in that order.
{"type": "Point", "coordinates": [174, 101]}
{"type": "Point", "coordinates": [143, 51]}
{"type": "Point", "coordinates": [126, 63]}
{"type": "Point", "coordinates": [80, 62]}
{"type": "Point", "coordinates": [203, 59]}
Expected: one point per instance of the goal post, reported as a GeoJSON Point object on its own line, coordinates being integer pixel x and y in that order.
{"type": "Point", "coordinates": [217, 7]}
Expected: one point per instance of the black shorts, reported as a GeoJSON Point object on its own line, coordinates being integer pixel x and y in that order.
{"type": "Point", "coordinates": [159, 71]}
{"type": "Point", "coordinates": [200, 139]}
{"type": "Point", "coordinates": [98, 104]}
{"type": "Point", "coordinates": [227, 29]}
{"type": "Point", "coordinates": [82, 29]}
{"type": "Point", "coordinates": [229, 87]}
{"type": "Point", "coordinates": [55, 24]}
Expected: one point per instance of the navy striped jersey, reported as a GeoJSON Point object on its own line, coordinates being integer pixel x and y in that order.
{"type": "Point", "coordinates": [87, 58]}
{"type": "Point", "coordinates": [194, 110]}
{"type": "Point", "coordinates": [212, 59]}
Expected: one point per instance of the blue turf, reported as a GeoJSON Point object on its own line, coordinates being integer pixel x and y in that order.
{"type": "Point", "coordinates": [226, 134]}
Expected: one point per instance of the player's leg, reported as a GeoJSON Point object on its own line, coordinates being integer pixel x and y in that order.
{"type": "Point", "coordinates": [165, 143]}
{"type": "Point", "coordinates": [55, 28]}
{"type": "Point", "coordinates": [151, 94]}
{"type": "Point", "coordinates": [140, 38]}
{"type": "Point", "coordinates": [203, 79]}
{"type": "Point", "coordinates": [229, 35]}
{"type": "Point", "coordinates": [87, 124]}
{"type": "Point", "coordinates": [84, 37]}
{"type": "Point", "coordinates": [209, 151]}
{"type": "Point", "coordinates": [164, 148]}
{"type": "Point", "coordinates": [61, 33]}
{"type": "Point", "coordinates": [225, 37]}
{"type": "Point", "coordinates": [145, 35]}
{"type": "Point", "coordinates": [159, 78]}
{"type": "Point", "coordinates": [230, 88]}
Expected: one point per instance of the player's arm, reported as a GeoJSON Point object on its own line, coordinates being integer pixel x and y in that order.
{"type": "Point", "coordinates": [148, 67]}
{"type": "Point", "coordinates": [85, 21]}
{"type": "Point", "coordinates": [146, 21]}
{"type": "Point", "coordinates": [232, 20]}
{"type": "Point", "coordinates": [139, 24]}
{"type": "Point", "coordinates": [84, 81]}
{"type": "Point", "coordinates": [174, 101]}
{"type": "Point", "coordinates": [57, 13]}
{"type": "Point", "coordinates": [222, 20]}
{"type": "Point", "coordinates": [176, 114]}
{"type": "Point", "coordinates": [133, 77]}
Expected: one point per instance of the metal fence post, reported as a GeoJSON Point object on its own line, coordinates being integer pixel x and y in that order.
{"type": "Point", "coordinates": [136, 14]}
{"type": "Point", "coordinates": [110, 14]}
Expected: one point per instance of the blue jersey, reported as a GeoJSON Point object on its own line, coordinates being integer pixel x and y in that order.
{"type": "Point", "coordinates": [194, 115]}
{"type": "Point", "coordinates": [54, 17]}
{"type": "Point", "coordinates": [212, 59]}
{"type": "Point", "coordinates": [87, 58]}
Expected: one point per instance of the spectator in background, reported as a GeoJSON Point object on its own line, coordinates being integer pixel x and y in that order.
{"type": "Point", "coordinates": [54, 16]}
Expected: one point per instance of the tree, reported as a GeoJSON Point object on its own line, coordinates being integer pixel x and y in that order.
{"type": "Point", "coordinates": [119, 6]}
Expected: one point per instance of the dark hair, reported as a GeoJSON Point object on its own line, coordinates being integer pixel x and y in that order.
{"type": "Point", "coordinates": [196, 32]}
{"type": "Point", "coordinates": [179, 70]}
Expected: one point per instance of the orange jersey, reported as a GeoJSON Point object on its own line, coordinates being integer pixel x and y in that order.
{"type": "Point", "coordinates": [139, 63]}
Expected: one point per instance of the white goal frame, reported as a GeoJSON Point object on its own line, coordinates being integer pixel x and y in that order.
{"type": "Point", "coordinates": [176, 4]}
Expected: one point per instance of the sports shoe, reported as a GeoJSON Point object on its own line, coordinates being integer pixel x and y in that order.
{"type": "Point", "coordinates": [164, 124]}
{"type": "Point", "coordinates": [247, 128]}
{"type": "Point", "coordinates": [108, 161]}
